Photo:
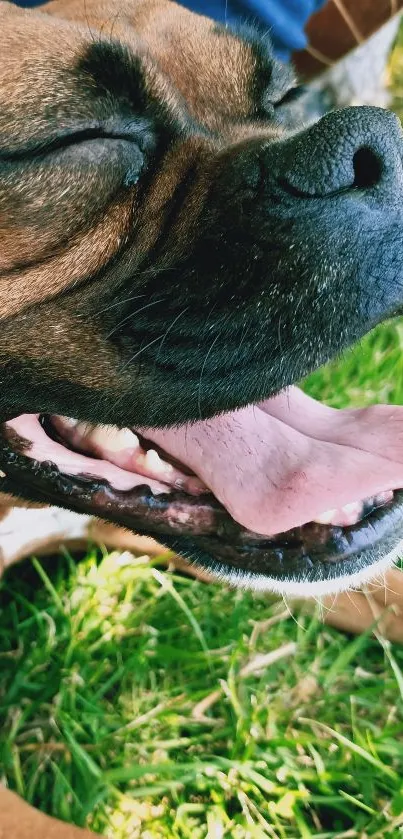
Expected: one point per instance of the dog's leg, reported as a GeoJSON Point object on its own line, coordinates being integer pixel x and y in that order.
{"type": "Point", "coordinates": [379, 603]}
{"type": "Point", "coordinates": [20, 821]}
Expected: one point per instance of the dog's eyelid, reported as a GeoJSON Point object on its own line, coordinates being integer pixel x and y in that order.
{"type": "Point", "coordinates": [273, 83]}
{"type": "Point", "coordinates": [292, 95]}
{"type": "Point", "coordinates": [137, 131]}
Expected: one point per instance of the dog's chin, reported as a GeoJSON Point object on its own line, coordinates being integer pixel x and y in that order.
{"type": "Point", "coordinates": [150, 483]}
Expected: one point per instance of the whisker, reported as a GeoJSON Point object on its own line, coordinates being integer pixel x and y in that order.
{"type": "Point", "coordinates": [118, 303]}
{"type": "Point", "coordinates": [202, 371]}
{"type": "Point", "coordinates": [291, 613]}
{"type": "Point", "coordinates": [131, 359]}
{"type": "Point", "coordinates": [170, 327]}
{"type": "Point", "coordinates": [113, 22]}
{"type": "Point", "coordinates": [141, 350]}
{"type": "Point", "coordinates": [90, 31]}
{"type": "Point", "coordinates": [132, 315]}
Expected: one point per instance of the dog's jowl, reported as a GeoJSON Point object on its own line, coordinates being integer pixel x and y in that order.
{"type": "Point", "coordinates": [172, 263]}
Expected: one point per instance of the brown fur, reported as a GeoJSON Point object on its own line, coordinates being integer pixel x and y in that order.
{"type": "Point", "coordinates": [43, 48]}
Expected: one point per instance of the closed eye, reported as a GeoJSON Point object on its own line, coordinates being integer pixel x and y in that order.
{"type": "Point", "coordinates": [292, 95]}
{"type": "Point", "coordinates": [134, 130]}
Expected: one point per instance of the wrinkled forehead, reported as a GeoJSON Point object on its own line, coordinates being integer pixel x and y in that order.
{"type": "Point", "coordinates": [51, 57]}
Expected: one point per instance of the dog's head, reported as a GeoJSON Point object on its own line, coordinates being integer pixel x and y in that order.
{"type": "Point", "coordinates": [171, 262]}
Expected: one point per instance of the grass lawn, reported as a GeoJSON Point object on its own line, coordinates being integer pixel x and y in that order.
{"type": "Point", "coordinates": [132, 700]}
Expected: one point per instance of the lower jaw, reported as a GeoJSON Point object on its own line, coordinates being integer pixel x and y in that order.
{"type": "Point", "coordinates": [311, 560]}
{"type": "Point", "coordinates": [349, 558]}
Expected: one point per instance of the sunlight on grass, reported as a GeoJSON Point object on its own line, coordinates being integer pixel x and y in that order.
{"type": "Point", "coordinates": [111, 716]}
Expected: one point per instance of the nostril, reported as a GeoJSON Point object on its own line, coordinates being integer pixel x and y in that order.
{"type": "Point", "coordinates": [355, 150]}
{"type": "Point", "coordinates": [367, 168]}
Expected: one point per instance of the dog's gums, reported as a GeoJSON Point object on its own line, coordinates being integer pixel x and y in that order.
{"type": "Point", "coordinates": [272, 496]}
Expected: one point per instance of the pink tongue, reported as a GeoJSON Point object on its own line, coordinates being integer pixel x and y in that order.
{"type": "Point", "coordinates": [282, 463]}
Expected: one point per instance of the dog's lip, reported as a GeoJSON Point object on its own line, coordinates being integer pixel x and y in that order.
{"type": "Point", "coordinates": [273, 466]}
{"type": "Point", "coordinates": [310, 560]}
{"type": "Point", "coordinates": [198, 525]}
{"type": "Point", "coordinates": [124, 449]}
{"type": "Point", "coordinates": [132, 453]}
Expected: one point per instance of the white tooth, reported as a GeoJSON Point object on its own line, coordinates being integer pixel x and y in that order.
{"type": "Point", "coordinates": [113, 439]}
{"type": "Point", "coordinates": [354, 507]}
{"type": "Point", "coordinates": [342, 516]}
{"type": "Point", "coordinates": [327, 517]}
{"type": "Point", "coordinates": [2, 474]}
{"type": "Point", "coordinates": [152, 459]}
{"type": "Point", "coordinates": [70, 422]}
{"type": "Point", "coordinates": [154, 462]}
{"type": "Point", "coordinates": [383, 497]}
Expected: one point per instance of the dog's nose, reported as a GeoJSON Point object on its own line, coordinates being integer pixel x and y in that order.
{"type": "Point", "coordinates": [354, 148]}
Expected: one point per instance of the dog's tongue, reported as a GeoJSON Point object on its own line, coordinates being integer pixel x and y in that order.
{"type": "Point", "coordinates": [291, 459]}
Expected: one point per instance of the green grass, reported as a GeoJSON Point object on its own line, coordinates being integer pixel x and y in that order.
{"type": "Point", "coordinates": [104, 666]}
{"type": "Point", "coordinates": [135, 702]}
{"type": "Point", "coordinates": [370, 372]}
{"type": "Point", "coordinates": [132, 700]}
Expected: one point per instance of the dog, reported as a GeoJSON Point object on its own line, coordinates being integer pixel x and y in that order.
{"type": "Point", "coordinates": [169, 258]}
{"type": "Point", "coordinates": [172, 263]}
